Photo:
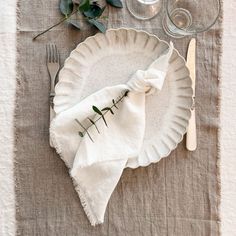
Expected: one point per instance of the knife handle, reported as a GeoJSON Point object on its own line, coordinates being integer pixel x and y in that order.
{"type": "Point", "coordinates": [191, 137]}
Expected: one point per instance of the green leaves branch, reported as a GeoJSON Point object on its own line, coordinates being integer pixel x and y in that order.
{"type": "Point", "coordinates": [101, 115]}
{"type": "Point", "coordinates": [89, 9]}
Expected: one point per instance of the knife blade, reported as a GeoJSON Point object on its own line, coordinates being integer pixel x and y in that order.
{"type": "Point", "coordinates": [191, 136]}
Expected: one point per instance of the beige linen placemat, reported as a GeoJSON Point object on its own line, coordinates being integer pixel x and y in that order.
{"type": "Point", "coordinates": [178, 196]}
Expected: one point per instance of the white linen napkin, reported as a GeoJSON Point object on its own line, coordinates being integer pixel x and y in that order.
{"type": "Point", "coordinates": [97, 162]}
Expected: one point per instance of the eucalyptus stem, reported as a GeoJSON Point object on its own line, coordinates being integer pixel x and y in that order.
{"type": "Point", "coordinates": [55, 25]}
{"type": "Point", "coordinates": [85, 130]}
{"type": "Point", "coordinates": [114, 105]}
{"type": "Point", "coordinates": [119, 99]}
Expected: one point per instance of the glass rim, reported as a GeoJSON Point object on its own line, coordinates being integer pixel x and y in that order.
{"type": "Point", "coordinates": [189, 32]}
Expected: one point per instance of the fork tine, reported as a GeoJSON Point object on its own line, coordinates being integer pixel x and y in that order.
{"type": "Point", "coordinates": [57, 54]}
{"type": "Point", "coordinates": [52, 52]}
{"type": "Point", "coordinates": [47, 53]}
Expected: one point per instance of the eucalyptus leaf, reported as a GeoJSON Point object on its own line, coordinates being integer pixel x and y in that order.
{"type": "Point", "coordinates": [81, 134]}
{"type": "Point", "coordinates": [104, 120]}
{"type": "Point", "coordinates": [115, 3]}
{"type": "Point", "coordinates": [111, 111]}
{"type": "Point", "coordinates": [99, 25]}
{"type": "Point", "coordinates": [114, 103]}
{"type": "Point", "coordinates": [126, 93]}
{"type": "Point", "coordinates": [75, 23]}
{"type": "Point", "coordinates": [97, 110]}
{"type": "Point", "coordinates": [108, 109]}
{"type": "Point", "coordinates": [89, 135]}
{"type": "Point", "coordinates": [66, 7]}
{"type": "Point", "coordinates": [93, 123]}
{"type": "Point", "coordinates": [84, 5]}
{"type": "Point", "coordinates": [94, 11]}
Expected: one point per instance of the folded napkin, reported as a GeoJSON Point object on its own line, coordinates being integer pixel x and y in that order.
{"type": "Point", "coordinates": [96, 162]}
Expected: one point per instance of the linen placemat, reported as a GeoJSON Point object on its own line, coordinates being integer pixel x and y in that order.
{"type": "Point", "coordinates": [177, 196]}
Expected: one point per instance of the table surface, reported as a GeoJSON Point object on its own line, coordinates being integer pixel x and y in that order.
{"type": "Point", "coordinates": [7, 88]}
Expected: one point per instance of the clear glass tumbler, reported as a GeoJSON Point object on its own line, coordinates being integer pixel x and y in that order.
{"type": "Point", "coordinates": [144, 9]}
{"type": "Point", "coordinates": [188, 17]}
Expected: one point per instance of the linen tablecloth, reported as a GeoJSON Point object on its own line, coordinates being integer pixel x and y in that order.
{"type": "Point", "coordinates": [177, 196]}
{"type": "Point", "coordinates": [158, 163]}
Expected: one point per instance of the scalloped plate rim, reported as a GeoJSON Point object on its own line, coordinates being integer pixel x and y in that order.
{"type": "Point", "coordinates": [138, 164]}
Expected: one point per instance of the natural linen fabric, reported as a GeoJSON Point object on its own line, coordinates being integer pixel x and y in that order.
{"type": "Point", "coordinates": [97, 161]}
{"type": "Point", "coordinates": [177, 196]}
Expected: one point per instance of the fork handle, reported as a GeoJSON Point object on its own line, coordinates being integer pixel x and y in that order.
{"type": "Point", "coordinates": [52, 115]}
{"type": "Point", "coordinates": [52, 86]}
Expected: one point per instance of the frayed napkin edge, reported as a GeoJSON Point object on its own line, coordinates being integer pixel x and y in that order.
{"type": "Point", "coordinates": [76, 183]}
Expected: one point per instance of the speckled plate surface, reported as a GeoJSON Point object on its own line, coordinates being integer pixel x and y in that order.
{"type": "Point", "coordinates": [110, 59]}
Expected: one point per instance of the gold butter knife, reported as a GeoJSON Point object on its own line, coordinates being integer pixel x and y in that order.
{"type": "Point", "coordinates": [191, 137]}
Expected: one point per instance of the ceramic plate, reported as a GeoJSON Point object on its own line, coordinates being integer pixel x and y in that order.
{"type": "Point", "coordinates": [110, 59]}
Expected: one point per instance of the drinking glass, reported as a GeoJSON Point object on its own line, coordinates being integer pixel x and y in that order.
{"type": "Point", "coordinates": [144, 9]}
{"type": "Point", "coordinates": [188, 17]}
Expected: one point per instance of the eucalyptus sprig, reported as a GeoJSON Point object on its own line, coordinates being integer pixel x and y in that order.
{"type": "Point", "coordinates": [101, 115]}
{"type": "Point", "coordinates": [89, 9]}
